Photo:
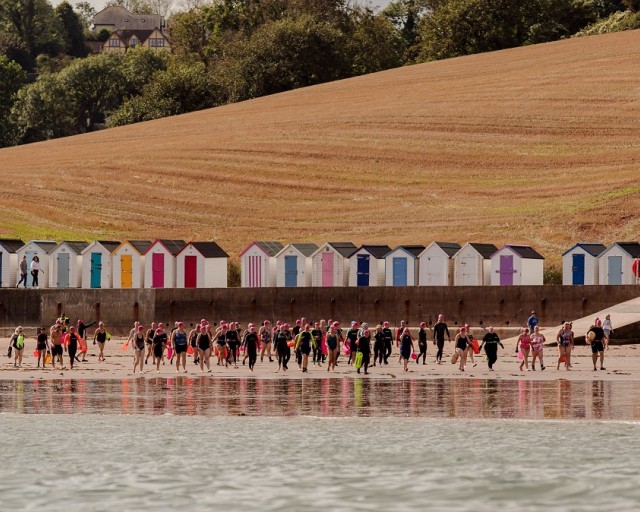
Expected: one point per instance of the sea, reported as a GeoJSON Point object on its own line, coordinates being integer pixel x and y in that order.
{"type": "Point", "coordinates": [196, 444]}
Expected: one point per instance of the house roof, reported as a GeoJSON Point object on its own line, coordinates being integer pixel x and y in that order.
{"type": "Point", "coordinates": [413, 250]}
{"type": "Point", "coordinates": [11, 244]}
{"type": "Point", "coordinates": [109, 245]}
{"type": "Point", "coordinates": [306, 249]}
{"type": "Point", "coordinates": [593, 249]}
{"type": "Point", "coordinates": [525, 251]}
{"type": "Point", "coordinates": [139, 245]}
{"type": "Point", "coordinates": [141, 34]}
{"type": "Point", "coordinates": [173, 246]}
{"type": "Point", "coordinates": [120, 18]}
{"type": "Point", "coordinates": [485, 250]}
{"type": "Point", "coordinates": [377, 251]}
{"type": "Point", "coordinates": [46, 245]}
{"type": "Point", "coordinates": [631, 248]}
{"type": "Point", "coordinates": [75, 246]}
{"type": "Point", "coordinates": [208, 249]}
{"type": "Point", "coordinates": [345, 249]}
{"type": "Point", "coordinates": [450, 248]}
{"type": "Point", "coordinates": [269, 248]}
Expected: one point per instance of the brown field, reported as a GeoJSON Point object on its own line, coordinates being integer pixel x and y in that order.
{"type": "Point", "coordinates": [537, 145]}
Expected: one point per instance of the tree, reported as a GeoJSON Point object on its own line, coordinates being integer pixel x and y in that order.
{"type": "Point", "coordinates": [136, 6]}
{"type": "Point", "coordinates": [72, 31]}
{"type": "Point", "coordinates": [194, 34]}
{"type": "Point", "coordinates": [12, 78]}
{"type": "Point", "coordinates": [13, 48]}
{"type": "Point", "coordinates": [86, 12]}
{"type": "Point", "coordinates": [138, 67]}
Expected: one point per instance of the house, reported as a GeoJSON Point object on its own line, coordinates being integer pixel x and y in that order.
{"type": "Point", "coordinates": [97, 264]}
{"type": "Point", "coordinates": [330, 264]}
{"type": "Point", "coordinates": [258, 264]}
{"type": "Point", "coordinates": [65, 264]}
{"type": "Point", "coordinates": [472, 264]}
{"type": "Point", "coordinates": [367, 265]}
{"type": "Point", "coordinates": [436, 264]}
{"type": "Point", "coordinates": [401, 265]}
{"type": "Point", "coordinates": [9, 270]}
{"type": "Point", "coordinates": [201, 265]}
{"type": "Point", "coordinates": [128, 262]}
{"type": "Point", "coordinates": [160, 263]}
{"type": "Point", "coordinates": [616, 263]}
{"type": "Point", "coordinates": [117, 17]}
{"type": "Point", "coordinates": [517, 265]}
{"type": "Point", "coordinates": [293, 265]}
{"type": "Point", "coordinates": [122, 40]}
{"type": "Point", "coordinates": [580, 264]}
{"type": "Point", "coordinates": [41, 249]}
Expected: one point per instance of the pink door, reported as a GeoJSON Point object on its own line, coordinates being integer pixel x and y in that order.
{"type": "Point", "coordinates": [157, 270]}
{"type": "Point", "coordinates": [190, 271]}
{"type": "Point", "coordinates": [327, 269]}
{"type": "Point", "coordinates": [255, 271]}
{"type": "Point", "coordinates": [506, 270]}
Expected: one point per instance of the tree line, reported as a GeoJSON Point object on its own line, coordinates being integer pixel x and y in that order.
{"type": "Point", "coordinates": [225, 51]}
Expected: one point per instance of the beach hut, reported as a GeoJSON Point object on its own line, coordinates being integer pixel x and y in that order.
{"type": "Point", "coordinates": [97, 265]}
{"type": "Point", "coordinates": [128, 262]}
{"type": "Point", "coordinates": [160, 263]}
{"type": "Point", "coordinates": [401, 265]}
{"type": "Point", "coordinates": [580, 264]}
{"type": "Point", "coordinates": [436, 264]}
{"type": "Point", "coordinates": [367, 265]}
{"type": "Point", "coordinates": [330, 264]}
{"type": "Point", "coordinates": [515, 265]}
{"type": "Point", "coordinates": [41, 249]}
{"type": "Point", "coordinates": [472, 265]}
{"type": "Point", "coordinates": [293, 265]}
{"type": "Point", "coordinates": [258, 264]}
{"type": "Point", "coordinates": [201, 265]}
{"type": "Point", "coordinates": [9, 269]}
{"type": "Point", "coordinates": [65, 264]}
{"type": "Point", "coordinates": [617, 263]}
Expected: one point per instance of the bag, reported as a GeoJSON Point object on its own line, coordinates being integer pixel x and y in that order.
{"type": "Point", "coordinates": [520, 355]}
{"type": "Point", "coordinates": [357, 364]}
{"type": "Point", "coordinates": [189, 350]}
{"type": "Point", "coordinates": [169, 352]}
{"type": "Point", "coordinates": [454, 358]}
{"type": "Point", "coordinates": [36, 354]}
{"type": "Point", "coordinates": [476, 347]}
{"type": "Point", "coordinates": [47, 359]}
{"type": "Point", "coordinates": [9, 351]}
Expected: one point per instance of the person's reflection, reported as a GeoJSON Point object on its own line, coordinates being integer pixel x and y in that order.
{"type": "Point", "coordinates": [597, 399]}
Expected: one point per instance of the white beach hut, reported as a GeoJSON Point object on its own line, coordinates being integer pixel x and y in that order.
{"type": "Point", "coordinates": [436, 264]}
{"type": "Point", "coordinates": [201, 265]}
{"type": "Point", "coordinates": [472, 265]}
{"type": "Point", "coordinates": [515, 265]}
{"type": "Point", "coordinates": [65, 264]}
{"type": "Point", "coordinates": [128, 262]}
{"type": "Point", "coordinates": [9, 271]}
{"type": "Point", "coordinates": [293, 265]}
{"type": "Point", "coordinates": [41, 249]}
{"type": "Point", "coordinates": [97, 265]}
{"type": "Point", "coordinates": [160, 263]}
{"type": "Point", "coordinates": [258, 264]}
{"type": "Point", "coordinates": [330, 264]}
{"type": "Point", "coordinates": [367, 265]}
{"type": "Point", "coordinates": [402, 265]}
{"type": "Point", "coordinates": [580, 264]}
{"type": "Point", "coordinates": [616, 263]}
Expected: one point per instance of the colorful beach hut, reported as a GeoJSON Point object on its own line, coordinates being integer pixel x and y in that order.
{"type": "Point", "coordinates": [515, 265]}
{"type": "Point", "coordinates": [472, 264]}
{"type": "Point", "coordinates": [401, 265]}
{"type": "Point", "coordinates": [293, 265]}
{"type": "Point", "coordinates": [258, 264]}
{"type": "Point", "coordinates": [617, 263]}
{"type": "Point", "coordinates": [201, 265]}
{"type": "Point", "coordinates": [97, 264]}
{"type": "Point", "coordinates": [580, 264]}
{"type": "Point", "coordinates": [65, 264]}
{"type": "Point", "coordinates": [41, 249]}
{"type": "Point", "coordinates": [367, 265]}
{"type": "Point", "coordinates": [160, 263]}
{"type": "Point", "coordinates": [9, 270]}
{"type": "Point", "coordinates": [436, 264]}
{"type": "Point", "coordinates": [128, 262]}
{"type": "Point", "coordinates": [330, 264]}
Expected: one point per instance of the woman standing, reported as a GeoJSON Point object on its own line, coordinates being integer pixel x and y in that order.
{"type": "Point", "coordinates": [82, 331]}
{"type": "Point", "coordinates": [233, 342]}
{"type": "Point", "coordinates": [139, 343]}
{"type": "Point", "coordinates": [180, 344]}
{"type": "Point", "coordinates": [491, 340]}
{"type": "Point", "coordinates": [607, 327]}
{"type": "Point", "coordinates": [406, 347]}
{"type": "Point", "coordinates": [281, 340]}
{"type": "Point", "coordinates": [221, 344]}
{"type": "Point", "coordinates": [537, 347]}
{"type": "Point", "coordinates": [364, 347]}
{"type": "Point", "coordinates": [204, 348]}
{"type": "Point", "coordinates": [193, 342]}
{"type": "Point", "coordinates": [42, 345]}
{"type": "Point", "coordinates": [35, 270]}
{"type": "Point", "coordinates": [303, 346]}
{"type": "Point", "coordinates": [316, 334]}
{"type": "Point", "coordinates": [250, 343]}
{"type": "Point", "coordinates": [524, 345]}
{"type": "Point", "coordinates": [461, 347]}
{"type": "Point", "coordinates": [159, 344]}
{"type": "Point", "coordinates": [332, 347]}
{"type": "Point", "coordinates": [100, 336]}
{"type": "Point", "coordinates": [422, 343]}
{"type": "Point", "coordinates": [151, 332]}
{"type": "Point", "coordinates": [16, 342]}
{"type": "Point", "coordinates": [565, 343]}
{"type": "Point", "coordinates": [470, 345]}
{"type": "Point", "coordinates": [265, 338]}
{"type": "Point", "coordinates": [73, 341]}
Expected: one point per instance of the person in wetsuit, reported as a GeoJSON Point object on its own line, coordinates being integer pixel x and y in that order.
{"type": "Point", "coordinates": [233, 342]}
{"type": "Point", "coordinates": [281, 339]}
{"type": "Point", "coordinates": [151, 332]}
{"type": "Point", "coordinates": [251, 343]}
{"type": "Point", "coordinates": [316, 346]}
{"type": "Point", "coordinates": [352, 337]}
{"type": "Point", "coordinates": [491, 340]}
{"type": "Point", "coordinates": [42, 345]}
{"type": "Point", "coordinates": [422, 343]}
{"type": "Point", "coordinates": [159, 344]}
{"type": "Point", "coordinates": [439, 331]}
{"type": "Point", "coordinates": [303, 346]}
{"type": "Point", "coordinates": [73, 340]}
{"type": "Point", "coordinates": [364, 347]}
{"type": "Point", "coordinates": [378, 346]}
{"type": "Point", "coordinates": [406, 347]}
{"type": "Point", "coordinates": [388, 342]}
{"type": "Point", "coordinates": [82, 332]}
{"type": "Point", "coordinates": [221, 343]}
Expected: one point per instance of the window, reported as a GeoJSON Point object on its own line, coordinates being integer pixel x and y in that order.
{"type": "Point", "coordinates": [114, 43]}
{"type": "Point", "coordinates": [156, 42]}
{"type": "Point", "coordinates": [133, 42]}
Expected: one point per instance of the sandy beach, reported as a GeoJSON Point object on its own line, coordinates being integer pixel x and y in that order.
{"type": "Point", "coordinates": [621, 363]}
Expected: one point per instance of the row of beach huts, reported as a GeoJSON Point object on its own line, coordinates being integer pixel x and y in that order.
{"type": "Point", "coordinates": [178, 264]}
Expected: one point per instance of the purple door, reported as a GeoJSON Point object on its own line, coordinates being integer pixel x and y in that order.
{"type": "Point", "coordinates": [157, 269]}
{"type": "Point", "coordinates": [327, 269]}
{"type": "Point", "coordinates": [506, 271]}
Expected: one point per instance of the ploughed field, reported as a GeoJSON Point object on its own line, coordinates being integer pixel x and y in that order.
{"type": "Point", "coordinates": [536, 145]}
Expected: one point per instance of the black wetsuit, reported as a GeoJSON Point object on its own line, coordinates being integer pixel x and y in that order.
{"type": "Point", "coordinates": [159, 341]}
{"type": "Point", "coordinates": [439, 331]}
{"type": "Point", "coordinates": [491, 341]}
{"type": "Point", "coordinates": [316, 334]}
{"type": "Point", "coordinates": [422, 345]}
{"type": "Point", "coordinates": [233, 341]}
{"type": "Point", "coordinates": [282, 345]}
{"type": "Point", "coordinates": [364, 346]}
{"type": "Point", "coordinates": [72, 347]}
{"type": "Point", "coordinates": [378, 348]}
{"type": "Point", "coordinates": [352, 336]}
{"type": "Point", "coordinates": [251, 346]}
{"type": "Point", "coordinates": [388, 343]}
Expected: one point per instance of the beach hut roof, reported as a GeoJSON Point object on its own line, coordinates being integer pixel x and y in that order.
{"type": "Point", "coordinates": [109, 245]}
{"type": "Point", "coordinates": [139, 245]}
{"type": "Point", "coordinates": [76, 246]}
{"type": "Point", "coordinates": [46, 245]}
{"type": "Point", "coordinates": [306, 249]}
{"type": "Point", "coordinates": [269, 248]}
{"type": "Point", "coordinates": [593, 249]}
{"type": "Point", "coordinates": [524, 251]}
{"type": "Point", "coordinates": [173, 246]}
{"type": "Point", "coordinates": [345, 249]}
{"type": "Point", "coordinates": [450, 248]}
{"type": "Point", "coordinates": [11, 244]}
{"type": "Point", "coordinates": [413, 250]}
{"type": "Point", "coordinates": [631, 248]}
{"type": "Point", "coordinates": [377, 251]}
{"type": "Point", "coordinates": [485, 250]}
{"type": "Point", "coordinates": [208, 249]}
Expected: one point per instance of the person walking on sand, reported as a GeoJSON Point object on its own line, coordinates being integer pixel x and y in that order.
{"type": "Point", "coordinates": [100, 336]}
{"type": "Point", "coordinates": [303, 346]}
{"type": "Point", "coordinates": [598, 341]}
{"type": "Point", "coordinates": [352, 337]}
{"type": "Point", "coordinates": [221, 343]}
{"type": "Point", "coordinates": [82, 329]}
{"type": "Point", "coordinates": [233, 343]}
{"type": "Point", "coordinates": [388, 342]}
{"type": "Point", "coordinates": [281, 340]}
{"type": "Point", "coordinates": [461, 342]}
{"type": "Point", "coordinates": [364, 347]}
{"type": "Point", "coordinates": [250, 343]}
{"type": "Point", "coordinates": [35, 270]}
{"type": "Point", "coordinates": [159, 344]}
{"type": "Point", "coordinates": [316, 335]}
{"type": "Point", "coordinates": [565, 343]}
{"type": "Point", "coordinates": [398, 335]}
{"type": "Point", "coordinates": [24, 268]}
{"type": "Point", "coordinates": [73, 342]}
{"type": "Point", "coordinates": [265, 339]}
{"type": "Point", "coordinates": [139, 342]}
{"type": "Point", "coordinates": [537, 348]}
{"type": "Point", "coordinates": [151, 332]}
{"type": "Point", "coordinates": [16, 342]}
{"type": "Point", "coordinates": [333, 346]}
{"type": "Point", "coordinates": [56, 345]}
{"type": "Point", "coordinates": [193, 341]}
{"type": "Point", "coordinates": [470, 345]}
{"type": "Point", "coordinates": [406, 347]}
{"type": "Point", "coordinates": [607, 327]}
{"type": "Point", "coordinates": [490, 341]}
{"type": "Point", "coordinates": [180, 343]}
{"type": "Point", "coordinates": [378, 346]}
{"type": "Point", "coordinates": [524, 345]}
{"type": "Point", "coordinates": [422, 343]}
{"type": "Point", "coordinates": [42, 346]}
{"type": "Point", "coordinates": [205, 346]}
{"type": "Point", "coordinates": [439, 330]}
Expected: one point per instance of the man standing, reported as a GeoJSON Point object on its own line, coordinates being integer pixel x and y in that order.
{"type": "Point", "coordinates": [23, 272]}
{"type": "Point", "coordinates": [56, 345]}
{"type": "Point", "coordinates": [532, 321]}
{"type": "Point", "coordinates": [597, 338]}
{"type": "Point", "coordinates": [439, 331]}
{"type": "Point", "coordinates": [388, 342]}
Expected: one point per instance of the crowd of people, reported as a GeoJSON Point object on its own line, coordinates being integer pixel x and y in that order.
{"type": "Point", "coordinates": [320, 343]}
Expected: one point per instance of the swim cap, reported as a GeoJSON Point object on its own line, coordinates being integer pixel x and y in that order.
{"type": "Point", "coordinates": [366, 332]}
{"type": "Point", "coordinates": [423, 324]}
{"type": "Point", "coordinates": [141, 327]}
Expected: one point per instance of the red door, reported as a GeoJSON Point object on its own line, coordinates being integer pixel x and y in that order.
{"type": "Point", "coordinates": [190, 271]}
{"type": "Point", "coordinates": [157, 270]}
{"type": "Point", "coordinates": [327, 269]}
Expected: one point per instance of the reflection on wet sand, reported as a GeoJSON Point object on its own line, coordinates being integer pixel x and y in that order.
{"type": "Point", "coordinates": [445, 398]}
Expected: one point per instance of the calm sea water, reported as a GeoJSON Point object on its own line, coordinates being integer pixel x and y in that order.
{"type": "Point", "coordinates": [326, 445]}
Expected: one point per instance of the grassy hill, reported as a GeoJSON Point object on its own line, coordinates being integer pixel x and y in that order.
{"type": "Point", "coordinates": [534, 145]}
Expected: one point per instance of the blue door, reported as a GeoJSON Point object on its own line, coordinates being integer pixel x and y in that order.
{"type": "Point", "coordinates": [578, 269]}
{"type": "Point", "coordinates": [96, 269]}
{"type": "Point", "coordinates": [291, 271]}
{"type": "Point", "coordinates": [363, 270]}
{"type": "Point", "coordinates": [615, 269]}
{"type": "Point", "coordinates": [399, 271]}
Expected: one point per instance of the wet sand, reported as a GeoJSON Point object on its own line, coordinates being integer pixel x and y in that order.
{"type": "Point", "coordinates": [621, 362]}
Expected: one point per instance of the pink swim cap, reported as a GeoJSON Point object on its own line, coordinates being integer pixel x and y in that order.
{"type": "Point", "coordinates": [423, 324]}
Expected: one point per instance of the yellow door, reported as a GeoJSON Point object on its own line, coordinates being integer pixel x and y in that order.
{"type": "Point", "coordinates": [126, 271]}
